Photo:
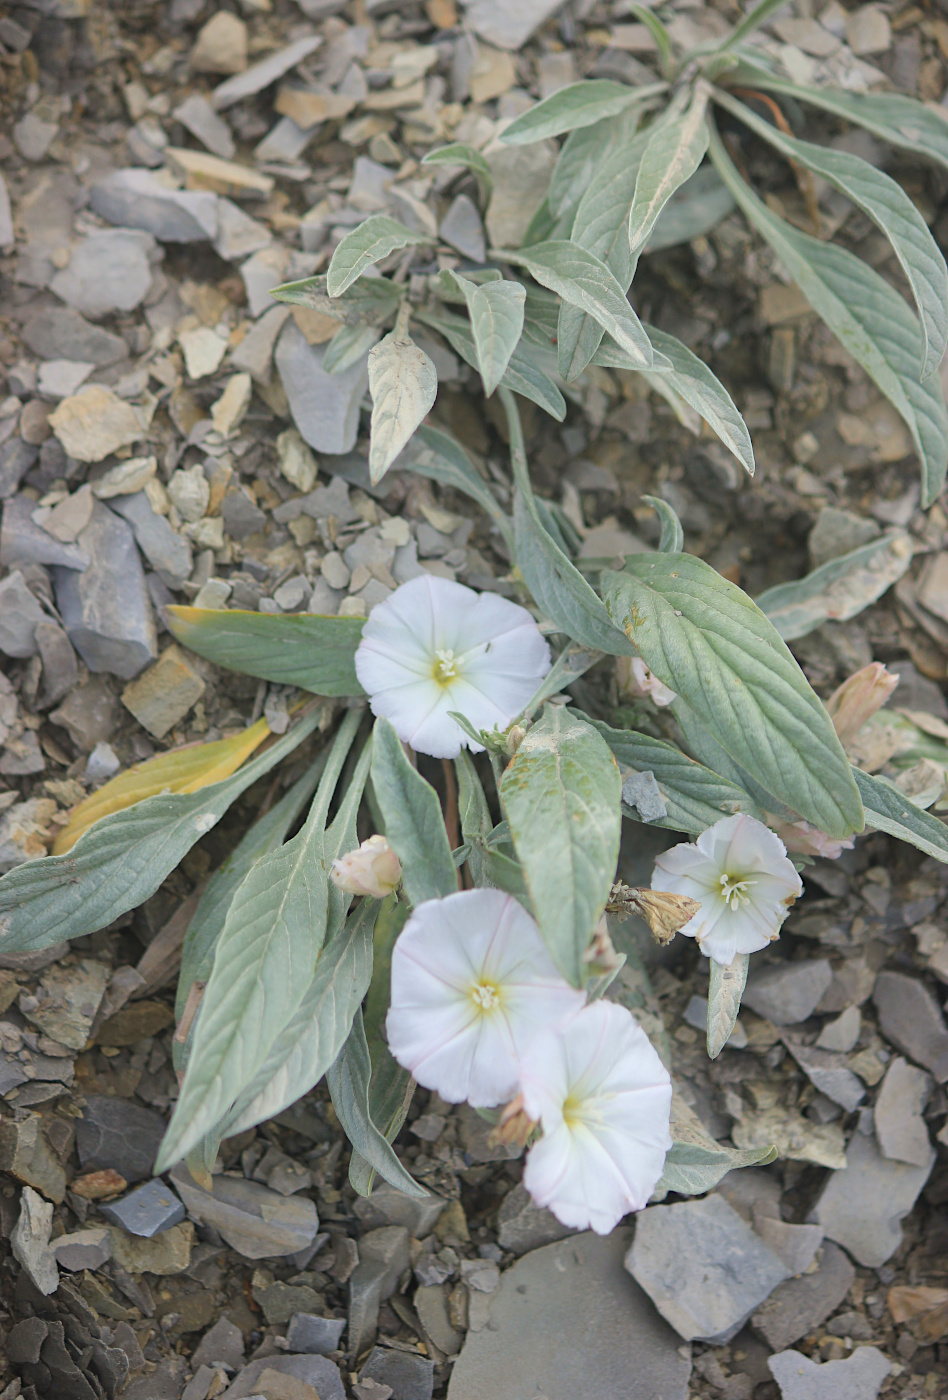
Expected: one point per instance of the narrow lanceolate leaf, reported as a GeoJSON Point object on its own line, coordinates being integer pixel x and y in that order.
{"type": "Point", "coordinates": [460, 154]}
{"type": "Point", "coordinates": [121, 861]}
{"type": "Point", "coordinates": [889, 207]}
{"type": "Point", "coordinates": [186, 769]}
{"type": "Point", "coordinates": [584, 281]}
{"type": "Point", "coordinates": [578, 105]}
{"type": "Point", "coordinates": [349, 1079]}
{"type": "Point", "coordinates": [889, 810]}
{"type": "Point", "coordinates": [725, 990]}
{"type": "Point", "coordinates": [675, 149]}
{"type": "Point", "coordinates": [560, 795]}
{"type": "Point", "coordinates": [838, 590]}
{"type": "Point", "coordinates": [871, 319]}
{"type": "Point", "coordinates": [436, 455]}
{"type": "Point", "coordinates": [755, 17]}
{"type": "Point", "coordinates": [413, 821]}
{"type": "Point", "coordinates": [496, 312]}
{"type": "Point", "coordinates": [705, 639]}
{"type": "Point", "coordinates": [372, 241]}
{"type": "Point", "coordinates": [474, 816]}
{"type": "Point", "coordinates": [264, 962]}
{"type": "Point", "coordinates": [672, 539]}
{"type": "Point", "coordinates": [580, 156]}
{"type": "Point", "coordinates": [523, 374]}
{"type": "Point", "coordinates": [693, 381]}
{"type": "Point", "coordinates": [403, 383]}
{"type": "Point", "coordinates": [316, 653]}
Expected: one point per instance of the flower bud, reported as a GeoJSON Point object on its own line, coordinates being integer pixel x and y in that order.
{"type": "Point", "coordinates": [600, 957]}
{"type": "Point", "coordinates": [858, 698]}
{"type": "Point", "coordinates": [374, 869]}
{"type": "Point", "coordinates": [806, 840]}
{"type": "Point", "coordinates": [637, 682]}
{"type": "Point", "coordinates": [514, 1127]}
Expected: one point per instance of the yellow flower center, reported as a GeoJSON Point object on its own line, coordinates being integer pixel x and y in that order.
{"type": "Point", "coordinates": [485, 996]}
{"type": "Point", "coordinates": [734, 890]}
{"type": "Point", "coordinates": [445, 668]}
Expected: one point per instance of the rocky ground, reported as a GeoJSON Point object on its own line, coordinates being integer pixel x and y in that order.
{"type": "Point", "coordinates": [165, 164]}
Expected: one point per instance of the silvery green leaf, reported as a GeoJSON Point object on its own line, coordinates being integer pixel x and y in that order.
{"type": "Point", "coordinates": [694, 382]}
{"type": "Point", "coordinates": [582, 280]}
{"type": "Point", "coordinates": [869, 317]}
{"type": "Point", "coordinates": [755, 17]}
{"type": "Point", "coordinates": [368, 302]}
{"type": "Point", "coordinates": [374, 239]}
{"type": "Point", "coordinates": [693, 210]}
{"type": "Point", "coordinates": [889, 810]}
{"type": "Point", "coordinates": [560, 794]}
{"type": "Point", "coordinates": [579, 158]}
{"type": "Point", "coordinates": [305, 649]}
{"type": "Point", "coordinates": [474, 815]}
{"type": "Point", "coordinates": [890, 208]}
{"type": "Point", "coordinates": [523, 374]}
{"type": "Point", "coordinates": [348, 346]}
{"type": "Point", "coordinates": [457, 153]}
{"type": "Point", "coordinates": [673, 536]}
{"type": "Point", "coordinates": [696, 1163]}
{"type": "Point", "coordinates": [120, 861]}
{"type": "Point", "coordinates": [572, 662]}
{"type": "Point", "coordinates": [263, 964]}
{"type": "Point", "coordinates": [725, 989]}
{"type": "Point", "coordinates": [696, 797]}
{"type": "Point", "coordinates": [579, 104]}
{"type": "Point", "coordinates": [840, 589]}
{"type": "Point", "coordinates": [414, 823]}
{"type": "Point", "coordinates": [348, 1079]}
{"type": "Point", "coordinates": [676, 147]}
{"type": "Point", "coordinates": [403, 383]}
{"type": "Point", "coordinates": [435, 454]}
{"type": "Point", "coordinates": [496, 312]}
{"type": "Point", "coordinates": [703, 637]}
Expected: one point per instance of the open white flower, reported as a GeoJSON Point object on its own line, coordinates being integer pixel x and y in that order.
{"type": "Point", "coordinates": [434, 646]}
{"type": "Point", "coordinates": [739, 873]}
{"type": "Point", "coordinates": [603, 1099]}
{"type": "Point", "coordinates": [472, 984]}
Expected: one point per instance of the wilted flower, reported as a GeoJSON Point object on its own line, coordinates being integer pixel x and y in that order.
{"type": "Point", "coordinates": [858, 699]}
{"type": "Point", "coordinates": [739, 873]}
{"type": "Point", "coordinates": [603, 1099]}
{"type": "Point", "coordinates": [472, 984]}
{"type": "Point", "coordinates": [664, 913]}
{"type": "Point", "coordinates": [600, 957]}
{"type": "Point", "coordinates": [514, 1128]}
{"type": "Point", "coordinates": [373, 869]}
{"type": "Point", "coordinates": [435, 646]}
{"type": "Point", "coordinates": [637, 681]}
{"type": "Point", "coordinates": [806, 840]}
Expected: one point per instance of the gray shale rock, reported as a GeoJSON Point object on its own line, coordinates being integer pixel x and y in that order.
{"type": "Point", "coordinates": [256, 1222]}
{"type": "Point", "coordinates": [862, 1206]}
{"type": "Point", "coordinates": [134, 198]}
{"type": "Point", "coordinates": [325, 407]}
{"type": "Point", "coordinates": [108, 271]}
{"type": "Point", "coordinates": [800, 1305]}
{"type": "Point", "coordinates": [60, 333]}
{"type": "Point", "coordinates": [910, 1017]}
{"type": "Point", "coordinates": [788, 992]}
{"type": "Point", "coordinates": [168, 554]}
{"type": "Point", "coordinates": [116, 1133]}
{"type": "Point", "coordinates": [859, 1377]}
{"type": "Point", "coordinates": [317, 1371]}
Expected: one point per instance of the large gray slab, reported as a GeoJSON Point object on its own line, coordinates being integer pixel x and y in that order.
{"type": "Point", "coordinates": [134, 198]}
{"type": "Point", "coordinates": [862, 1206]}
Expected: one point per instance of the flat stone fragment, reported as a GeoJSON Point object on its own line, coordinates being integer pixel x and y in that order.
{"type": "Point", "coordinates": [107, 609]}
{"type": "Point", "coordinates": [325, 407]}
{"type": "Point", "coordinates": [60, 333]}
{"type": "Point", "coordinates": [262, 74]}
{"type": "Point", "coordinates": [95, 423]}
{"type": "Point", "coordinates": [30, 1241]}
{"type": "Point", "coordinates": [59, 379]}
{"type": "Point", "coordinates": [20, 614]}
{"type": "Point", "coordinates": [463, 228]}
{"type": "Point", "coordinates": [229, 410]}
{"type": "Point", "coordinates": [238, 235]}
{"type": "Point", "coordinates": [86, 1249]}
{"type": "Point", "coordinates": [115, 1133]}
{"type": "Point", "coordinates": [108, 271]}
{"type": "Point", "coordinates": [255, 352]}
{"type": "Point", "coordinates": [384, 1256]}
{"type": "Point", "coordinates": [859, 1377]}
{"type": "Point", "coordinates": [862, 1205]}
{"type": "Point", "coordinates": [167, 1253]}
{"type": "Point", "coordinates": [198, 116]}
{"type": "Point", "coordinates": [224, 1343]}
{"type": "Point", "coordinates": [221, 45]}
{"type": "Point", "coordinates": [828, 1072]}
{"type": "Point", "coordinates": [126, 478]}
{"type": "Point", "coordinates": [523, 1226]}
{"type": "Point", "coordinates": [26, 1154]}
{"type": "Point", "coordinates": [563, 1315]}
{"type": "Point", "coordinates": [24, 1341]}
{"type": "Point", "coordinates": [314, 1335]}
{"type": "Point", "coordinates": [410, 1376]}
{"type": "Point", "coordinates": [16, 459]}
{"type": "Point", "coordinates": [146, 1211]}
{"type": "Point", "coordinates": [135, 198]}
{"type": "Point", "coordinates": [169, 554]}
{"type": "Point", "coordinates": [900, 1128]}
{"type": "Point", "coordinates": [203, 351]}
{"type": "Point", "coordinates": [202, 171]}
{"type": "Point", "coordinates": [910, 1017]}
{"type": "Point", "coordinates": [702, 1266]}
{"type": "Point", "coordinates": [256, 1222]}
{"type": "Point", "coordinates": [789, 992]}
{"type": "Point", "coordinates": [22, 541]}
{"type": "Point", "coordinates": [508, 26]}
{"type": "Point", "coordinates": [163, 695]}
{"type": "Point", "coordinates": [796, 1245]}
{"type": "Point", "coordinates": [67, 1000]}
{"type": "Point", "coordinates": [389, 1206]}
{"type": "Point", "coordinates": [843, 1033]}
{"type": "Point", "coordinates": [431, 1305]}
{"type": "Point", "coordinates": [317, 1371]}
{"type": "Point", "coordinates": [798, 1306]}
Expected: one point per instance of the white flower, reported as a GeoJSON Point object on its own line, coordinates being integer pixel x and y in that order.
{"type": "Point", "coordinates": [373, 869]}
{"type": "Point", "coordinates": [739, 873]}
{"type": "Point", "coordinates": [603, 1099]}
{"type": "Point", "coordinates": [637, 681]}
{"type": "Point", "coordinates": [434, 646]}
{"type": "Point", "coordinates": [472, 984]}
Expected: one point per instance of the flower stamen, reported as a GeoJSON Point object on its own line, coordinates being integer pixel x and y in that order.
{"type": "Point", "coordinates": [485, 996]}
{"type": "Point", "coordinates": [446, 666]}
{"type": "Point", "coordinates": [734, 891]}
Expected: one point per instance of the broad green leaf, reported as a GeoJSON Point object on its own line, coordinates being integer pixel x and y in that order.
{"type": "Point", "coordinates": [263, 964]}
{"type": "Point", "coordinates": [870, 319]}
{"type": "Point", "coordinates": [348, 346]}
{"type": "Point", "coordinates": [187, 769]}
{"type": "Point", "coordinates": [496, 312]}
{"type": "Point", "coordinates": [890, 208]}
{"type": "Point", "coordinates": [120, 862]}
{"type": "Point", "coordinates": [693, 210]}
{"type": "Point", "coordinates": [693, 380]}
{"type": "Point", "coordinates": [403, 383]}
{"type": "Point", "coordinates": [414, 824]}
{"type": "Point", "coordinates": [838, 590]}
{"type": "Point", "coordinates": [695, 1162]}
{"type": "Point", "coordinates": [523, 375]}
{"type": "Point", "coordinates": [348, 1079]}
{"type": "Point", "coordinates": [579, 104]}
{"type": "Point", "coordinates": [372, 241]}
{"type": "Point", "coordinates": [705, 639]}
{"type": "Point", "coordinates": [460, 154]}
{"type": "Point", "coordinates": [560, 794]}
{"type": "Point", "coordinates": [676, 147]}
{"type": "Point", "coordinates": [316, 653]}
{"type": "Point", "coordinates": [889, 810]}
{"type": "Point", "coordinates": [725, 989]}
{"type": "Point", "coordinates": [436, 455]}
{"type": "Point", "coordinates": [673, 536]}
{"type": "Point", "coordinates": [584, 281]}
{"type": "Point", "coordinates": [696, 797]}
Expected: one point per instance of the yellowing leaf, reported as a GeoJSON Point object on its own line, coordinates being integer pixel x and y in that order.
{"type": "Point", "coordinates": [181, 770]}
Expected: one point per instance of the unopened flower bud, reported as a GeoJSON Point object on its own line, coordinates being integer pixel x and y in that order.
{"type": "Point", "coordinates": [514, 1127]}
{"type": "Point", "coordinates": [514, 738]}
{"type": "Point", "coordinates": [858, 698]}
{"type": "Point", "coordinates": [637, 682]}
{"type": "Point", "coordinates": [374, 869]}
{"type": "Point", "coordinates": [806, 840]}
{"type": "Point", "coordinates": [600, 957]}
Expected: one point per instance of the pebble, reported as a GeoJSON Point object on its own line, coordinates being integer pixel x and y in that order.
{"type": "Point", "coordinates": [789, 992]}
{"type": "Point", "coordinates": [237, 233]}
{"type": "Point", "coordinates": [900, 1128]}
{"type": "Point", "coordinates": [198, 116]}
{"type": "Point", "coordinates": [262, 74]}
{"type": "Point", "coordinates": [230, 409]}
{"type": "Point", "coordinates": [325, 407]}
{"type": "Point", "coordinates": [838, 532]}
{"type": "Point", "coordinates": [30, 1241]}
{"type": "Point", "coordinates": [383, 1258]}
{"type": "Point", "coordinates": [242, 517]}
{"type": "Point", "coordinates": [431, 1305]}
{"type": "Point", "coordinates": [136, 198]}
{"type": "Point", "coordinates": [69, 517]}
{"type": "Point", "coordinates": [910, 1017]}
{"type": "Point", "coordinates": [60, 333]}
{"type": "Point", "coordinates": [523, 1226]}
{"type": "Point", "coordinates": [27, 1155]}
{"type": "Point", "coordinates": [107, 272]}
{"type": "Point", "coordinates": [33, 136]}
{"type": "Point", "coordinates": [223, 1344]}
{"type": "Point", "coordinates": [20, 614]}
{"type": "Point", "coordinates": [164, 1254]}
{"type": "Point", "coordinates": [168, 554]}
{"type": "Point", "coordinates": [314, 1335]}
{"type": "Point", "coordinates": [843, 1033]}
{"type": "Point", "coordinates": [221, 45]}
{"type": "Point", "coordinates": [565, 1314]}
{"type": "Point", "coordinates": [410, 1376]}
{"type": "Point", "coordinates": [508, 26]}
{"type": "Point", "coordinates": [800, 1305]}
{"type": "Point", "coordinates": [203, 351]}
{"type": "Point", "coordinates": [858, 1377]}
{"type": "Point", "coordinates": [103, 763]}
{"type": "Point", "coordinates": [112, 628]}
{"type": "Point", "coordinates": [88, 713]}
{"type": "Point", "coordinates": [297, 462]}
{"type": "Point", "coordinates": [86, 1249]}
{"type": "Point", "coordinates": [95, 423]}
{"type": "Point", "coordinates": [280, 1301]}
{"type": "Point", "coordinates": [16, 459]}
{"type": "Point", "coordinates": [316, 1371]}
{"type": "Point", "coordinates": [862, 1206]}
{"type": "Point", "coordinates": [146, 1211]}
{"type": "Point", "coordinates": [126, 478]}
{"type": "Point", "coordinates": [254, 1221]}
{"type": "Point", "coordinates": [868, 30]}
{"type": "Point", "coordinates": [115, 1133]}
